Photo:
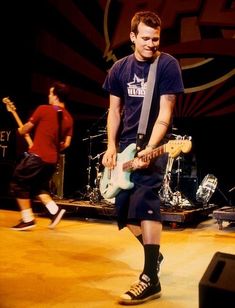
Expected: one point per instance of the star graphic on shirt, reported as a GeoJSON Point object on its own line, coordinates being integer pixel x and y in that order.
{"type": "Point", "coordinates": [137, 82]}
{"type": "Point", "coordinates": [136, 88]}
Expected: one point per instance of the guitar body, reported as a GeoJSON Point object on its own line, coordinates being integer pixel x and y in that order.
{"type": "Point", "coordinates": [112, 181]}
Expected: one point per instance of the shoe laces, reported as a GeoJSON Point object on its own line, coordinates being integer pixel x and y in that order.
{"type": "Point", "coordinates": [139, 287]}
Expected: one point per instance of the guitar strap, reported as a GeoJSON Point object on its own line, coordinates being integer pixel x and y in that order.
{"type": "Point", "coordinates": [143, 122]}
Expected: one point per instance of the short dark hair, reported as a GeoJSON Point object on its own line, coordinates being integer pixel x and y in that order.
{"type": "Point", "coordinates": [149, 18]}
{"type": "Point", "coordinates": [61, 90]}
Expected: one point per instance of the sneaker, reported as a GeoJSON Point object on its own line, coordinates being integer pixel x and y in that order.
{"type": "Point", "coordinates": [55, 219]}
{"type": "Point", "coordinates": [21, 226]}
{"type": "Point", "coordinates": [141, 292]}
{"type": "Point", "coordinates": [159, 263]}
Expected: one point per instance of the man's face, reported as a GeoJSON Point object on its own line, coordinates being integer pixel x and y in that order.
{"type": "Point", "coordinates": [146, 42]}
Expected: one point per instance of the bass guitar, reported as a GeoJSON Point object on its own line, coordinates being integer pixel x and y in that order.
{"type": "Point", "coordinates": [113, 180]}
{"type": "Point", "coordinates": [11, 108]}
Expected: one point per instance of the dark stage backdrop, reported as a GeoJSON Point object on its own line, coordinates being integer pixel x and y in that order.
{"type": "Point", "coordinates": [77, 41]}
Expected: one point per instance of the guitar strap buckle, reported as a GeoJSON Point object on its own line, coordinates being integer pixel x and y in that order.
{"type": "Point", "coordinates": [139, 141]}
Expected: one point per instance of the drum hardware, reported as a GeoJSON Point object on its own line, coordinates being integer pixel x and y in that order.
{"type": "Point", "coordinates": [169, 197]}
{"type": "Point", "coordinates": [206, 188]}
{"type": "Point", "coordinates": [93, 137]}
{"type": "Point", "coordinates": [91, 193]}
{"type": "Point", "coordinates": [165, 192]}
{"type": "Point", "coordinates": [178, 171]}
{"type": "Point", "coordinates": [95, 195]}
{"type": "Point", "coordinates": [230, 198]}
{"type": "Point", "coordinates": [96, 130]}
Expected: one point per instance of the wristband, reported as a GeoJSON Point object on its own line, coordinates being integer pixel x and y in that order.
{"type": "Point", "coordinates": [152, 146]}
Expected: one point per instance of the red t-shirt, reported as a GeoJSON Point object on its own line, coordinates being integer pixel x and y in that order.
{"type": "Point", "coordinates": [46, 131]}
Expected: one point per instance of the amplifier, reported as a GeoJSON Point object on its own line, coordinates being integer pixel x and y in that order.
{"type": "Point", "coordinates": [57, 181]}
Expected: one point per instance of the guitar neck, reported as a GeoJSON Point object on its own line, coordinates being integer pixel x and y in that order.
{"type": "Point", "coordinates": [18, 120]}
{"type": "Point", "coordinates": [128, 166]}
{"type": "Point", "coordinates": [20, 124]}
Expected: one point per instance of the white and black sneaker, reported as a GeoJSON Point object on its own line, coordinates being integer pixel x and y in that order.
{"type": "Point", "coordinates": [55, 219]}
{"type": "Point", "coordinates": [21, 226]}
{"type": "Point", "coordinates": [141, 292]}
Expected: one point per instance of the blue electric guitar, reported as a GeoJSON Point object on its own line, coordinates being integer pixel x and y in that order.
{"type": "Point", "coordinates": [113, 180]}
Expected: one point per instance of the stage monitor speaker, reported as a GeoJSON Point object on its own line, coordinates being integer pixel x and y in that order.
{"type": "Point", "coordinates": [217, 285]}
{"type": "Point", "coordinates": [57, 181]}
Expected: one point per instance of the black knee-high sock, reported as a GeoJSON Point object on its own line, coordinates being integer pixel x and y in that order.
{"type": "Point", "coordinates": [151, 253]}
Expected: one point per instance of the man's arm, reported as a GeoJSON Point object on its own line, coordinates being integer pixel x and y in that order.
{"type": "Point", "coordinates": [26, 128]}
{"type": "Point", "coordinates": [113, 124]}
{"type": "Point", "coordinates": [167, 103]}
{"type": "Point", "coordinates": [65, 144]}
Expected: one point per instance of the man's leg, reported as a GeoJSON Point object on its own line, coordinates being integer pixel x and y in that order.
{"type": "Point", "coordinates": [28, 221]}
{"type": "Point", "coordinates": [137, 232]}
{"type": "Point", "coordinates": [148, 287]}
{"type": "Point", "coordinates": [54, 210]}
{"type": "Point", "coordinates": [151, 232]}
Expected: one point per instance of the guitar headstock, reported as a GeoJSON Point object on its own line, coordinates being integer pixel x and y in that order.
{"type": "Point", "coordinates": [175, 147]}
{"type": "Point", "coordinates": [9, 104]}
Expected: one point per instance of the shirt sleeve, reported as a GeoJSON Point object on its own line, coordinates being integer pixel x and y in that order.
{"type": "Point", "coordinates": [172, 83]}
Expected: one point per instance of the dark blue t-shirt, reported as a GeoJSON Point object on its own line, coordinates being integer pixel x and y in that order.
{"type": "Point", "coordinates": [127, 79]}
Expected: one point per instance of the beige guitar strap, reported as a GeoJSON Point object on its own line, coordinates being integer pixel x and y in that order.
{"type": "Point", "coordinates": [147, 103]}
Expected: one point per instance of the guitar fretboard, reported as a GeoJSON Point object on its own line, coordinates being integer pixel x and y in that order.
{"type": "Point", "coordinates": [128, 166]}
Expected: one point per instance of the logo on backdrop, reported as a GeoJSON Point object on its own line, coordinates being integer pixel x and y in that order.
{"type": "Point", "coordinates": [200, 35]}
{"type": "Point", "coordinates": [5, 143]}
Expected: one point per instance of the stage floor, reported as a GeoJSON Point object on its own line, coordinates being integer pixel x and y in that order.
{"type": "Point", "coordinates": [88, 263]}
{"type": "Point", "coordinates": [175, 216]}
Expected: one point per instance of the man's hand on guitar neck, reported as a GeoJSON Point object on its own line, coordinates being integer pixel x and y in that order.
{"type": "Point", "coordinates": [139, 162]}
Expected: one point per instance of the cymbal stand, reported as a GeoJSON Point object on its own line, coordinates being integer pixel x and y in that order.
{"type": "Point", "coordinates": [165, 193]}
{"type": "Point", "coordinates": [178, 172]}
{"type": "Point", "coordinates": [89, 190]}
{"type": "Point", "coordinates": [88, 186]}
{"type": "Point", "coordinates": [95, 195]}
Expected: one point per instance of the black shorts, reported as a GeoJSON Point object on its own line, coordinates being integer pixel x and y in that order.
{"type": "Point", "coordinates": [142, 202]}
{"type": "Point", "coordinates": [31, 177]}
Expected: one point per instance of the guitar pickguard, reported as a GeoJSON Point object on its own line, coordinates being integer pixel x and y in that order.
{"type": "Point", "coordinates": [112, 181]}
